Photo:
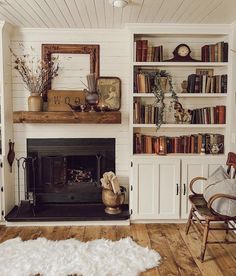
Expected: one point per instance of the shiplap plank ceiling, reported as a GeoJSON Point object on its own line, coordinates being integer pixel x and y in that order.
{"type": "Point", "coordinates": [100, 14]}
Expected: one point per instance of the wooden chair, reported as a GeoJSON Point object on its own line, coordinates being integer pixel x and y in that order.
{"type": "Point", "coordinates": [202, 212]}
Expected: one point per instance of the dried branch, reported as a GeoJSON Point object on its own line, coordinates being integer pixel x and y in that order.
{"type": "Point", "coordinates": [36, 74]}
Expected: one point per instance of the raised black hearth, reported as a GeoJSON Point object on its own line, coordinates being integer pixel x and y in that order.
{"type": "Point", "coordinates": [63, 180]}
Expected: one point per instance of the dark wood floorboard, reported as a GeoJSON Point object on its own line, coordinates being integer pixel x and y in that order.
{"type": "Point", "coordinates": [180, 253]}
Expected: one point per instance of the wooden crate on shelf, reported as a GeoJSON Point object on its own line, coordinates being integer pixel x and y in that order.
{"type": "Point", "coordinates": [58, 100]}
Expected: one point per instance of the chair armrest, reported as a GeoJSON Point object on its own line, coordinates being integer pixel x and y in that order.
{"type": "Point", "coordinates": [216, 196]}
{"type": "Point", "coordinates": [193, 181]}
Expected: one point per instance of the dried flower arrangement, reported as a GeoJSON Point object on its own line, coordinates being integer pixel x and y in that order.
{"type": "Point", "coordinates": [35, 73]}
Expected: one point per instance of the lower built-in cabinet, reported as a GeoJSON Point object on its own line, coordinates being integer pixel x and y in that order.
{"type": "Point", "coordinates": [160, 184]}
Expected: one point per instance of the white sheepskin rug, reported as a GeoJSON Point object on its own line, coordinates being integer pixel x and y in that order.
{"type": "Point", "coordinates": [75, 258]}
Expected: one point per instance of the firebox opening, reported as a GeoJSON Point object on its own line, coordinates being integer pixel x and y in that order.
{"type": "Point", "coordinates": [69, 170]}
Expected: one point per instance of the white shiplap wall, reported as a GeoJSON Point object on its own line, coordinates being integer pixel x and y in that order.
{"type": "Point", "coordinates": [114, 61]}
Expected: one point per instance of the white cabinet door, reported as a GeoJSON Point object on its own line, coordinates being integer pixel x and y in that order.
{"type": "Point", "coordinates": [156, 188]}
{"type": "Point", "coordinates": [145, 188]}
{"type": "Point", "coordinates": [168, 196]}
{"type": "Point", "coordinates": [191, 168]}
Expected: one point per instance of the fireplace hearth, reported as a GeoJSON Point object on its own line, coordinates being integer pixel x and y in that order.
{"type": "Point", "coordinates": [63, 179]}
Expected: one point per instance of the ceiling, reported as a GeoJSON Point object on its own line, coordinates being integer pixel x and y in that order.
{"type": "Point", "coordinates": [100, 14]}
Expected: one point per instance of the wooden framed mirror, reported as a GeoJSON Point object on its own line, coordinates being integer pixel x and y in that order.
{"type": "Point", "coordinates": [89, 58]}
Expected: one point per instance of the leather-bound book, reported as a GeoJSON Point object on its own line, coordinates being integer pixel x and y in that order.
{"type": "Point", "coordinates": [157, 145]}
{"type": "Point", "coordinates": [138, 50]}
{"type": "Point", "coordinates": [222, 114]}
{"type": "Point", "coordinates": [199, 143]}
{"type": "Point", "coordinates": [148, 144]}
{"type": "Point", "coordinates": [225, 52]}
{"type": "Point", "coordinates": [144, 50]}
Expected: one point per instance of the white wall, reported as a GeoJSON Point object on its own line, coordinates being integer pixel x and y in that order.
{"type": "Point", "coordinates": [233, 102]}
{"type": "Point", "coordinates": [114, 61]}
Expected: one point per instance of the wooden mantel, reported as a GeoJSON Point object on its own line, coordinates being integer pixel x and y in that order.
{"type": "Point", "coordinates": [67, 117]}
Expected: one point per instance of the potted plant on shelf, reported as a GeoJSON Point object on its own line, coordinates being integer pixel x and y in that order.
{"type": "Point", "coordinates": [35, 74]}
{"type": "Point", "coordinates": [163, 84]}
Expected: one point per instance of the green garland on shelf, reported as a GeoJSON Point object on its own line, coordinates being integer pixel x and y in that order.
{"type": "Point", "coordinates": [160, 95]}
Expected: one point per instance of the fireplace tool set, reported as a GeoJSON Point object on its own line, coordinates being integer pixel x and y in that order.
{"type": "Point", "coordinates": [29, 197]}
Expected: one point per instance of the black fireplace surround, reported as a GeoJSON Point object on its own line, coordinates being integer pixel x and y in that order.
{"type": "Point", "coordinates": [68, 170]}
{"type": "Point", "coordinates": [63, 180]}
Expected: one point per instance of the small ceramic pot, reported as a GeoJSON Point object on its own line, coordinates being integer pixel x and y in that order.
{"type": "Point", "coordinates": [35, 102]}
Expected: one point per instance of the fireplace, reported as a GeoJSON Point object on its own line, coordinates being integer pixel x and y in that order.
{"type": "Point", "coordinates": [62, 180]}
{"type": "Point", "coordinates": [68, 170]}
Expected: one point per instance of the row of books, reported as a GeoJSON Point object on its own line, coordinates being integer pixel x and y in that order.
{"type": "Point", "coordinates": [209, 115]}
{"type": "Point", "coordinates": [194, 143]}
{"type": "Point", "coordinates": [215, 52]}
{"type": "Point", "coordinates": [207, 84]}
{"type": "Point", "coordinates": [145, 53]}
{"type": "Point", "coordinates": [144, 81]}
{"type": "Point", "coordinates": [149, 114]}
{"type": "Point", "coordinates": [145, 114]}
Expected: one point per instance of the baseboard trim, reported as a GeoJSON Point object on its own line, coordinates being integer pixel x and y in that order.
{"type": "Point", "coordinates": [69, 223]}
{"type": "Point", "coordinates": [150, 221]}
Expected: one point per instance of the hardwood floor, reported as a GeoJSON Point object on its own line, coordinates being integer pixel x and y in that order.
{"type": "Point", "coordinates": [179, 252]}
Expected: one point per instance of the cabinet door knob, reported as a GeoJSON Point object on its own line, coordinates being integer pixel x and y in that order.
{"type": "Point", "coordinates": [184, 192]}
{"type": "Point", "coordinates": [177, 189]}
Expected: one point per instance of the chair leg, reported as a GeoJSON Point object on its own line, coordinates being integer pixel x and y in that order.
{"type": "Point", "coordinates": [204, 241]}
{"type": "Point", "coordinates": [189, 221]}
{"type": "Point", "coordinates": [226, 231]}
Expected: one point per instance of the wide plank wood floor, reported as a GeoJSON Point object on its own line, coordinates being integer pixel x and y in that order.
{"type": "Point", "coordinates": [179, 252]}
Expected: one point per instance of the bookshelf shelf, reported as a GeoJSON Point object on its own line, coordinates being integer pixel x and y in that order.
{"type": "Point", "coordinates": [180, 155]}
{"type": "Point", "coordinates": [189, 126]}
{"type": "Point", "coordinates": [181, 64]}
{"type": "Point", "coordinates": [184, 95]}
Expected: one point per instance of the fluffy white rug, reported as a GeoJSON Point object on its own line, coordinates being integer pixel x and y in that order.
{"type": "Point", "coordinates": [72, 257]}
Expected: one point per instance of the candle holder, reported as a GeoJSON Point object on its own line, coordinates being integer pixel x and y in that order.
{"type": "Point", "coordinates": [92, 99]}
{"type": "Point", "coordinates": [162, 147]}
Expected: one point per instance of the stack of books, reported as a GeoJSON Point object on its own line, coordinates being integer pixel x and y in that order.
{"type": "Point", "coordinates": [215, 52]}
{"type": "Point", "coordinates": [207, 84]}
{"type": "Point", "coordinates": [194, 143]}
{"type": "Point", "coordinates": [209, 115]}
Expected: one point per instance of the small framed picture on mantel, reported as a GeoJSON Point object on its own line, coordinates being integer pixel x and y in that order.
{"type": "Point", "coordinates": [109, 91]}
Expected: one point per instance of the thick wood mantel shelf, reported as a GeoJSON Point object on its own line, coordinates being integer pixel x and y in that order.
{"type": "Point", "coordinates": [61, 117]}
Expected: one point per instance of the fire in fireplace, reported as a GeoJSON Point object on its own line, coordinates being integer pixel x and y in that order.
{"type": "Point", "coordinates": [68, 170]}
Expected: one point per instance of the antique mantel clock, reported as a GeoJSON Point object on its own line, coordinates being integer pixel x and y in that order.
{"type": "Point", "coordinates": [182, 53]}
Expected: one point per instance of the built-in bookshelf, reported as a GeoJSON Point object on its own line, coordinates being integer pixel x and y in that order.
{"type": "Point", "coordinates": [205, 93]}
{"type": "Point", "coordinates": [166, 158]}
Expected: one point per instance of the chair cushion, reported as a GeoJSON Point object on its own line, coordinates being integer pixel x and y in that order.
{"type": "Point", "coordinates": [220, 183]}
{"type": "Point", "coordinates": [210, 187]}
{"type": "Point", "coordinates": [225, 206]}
